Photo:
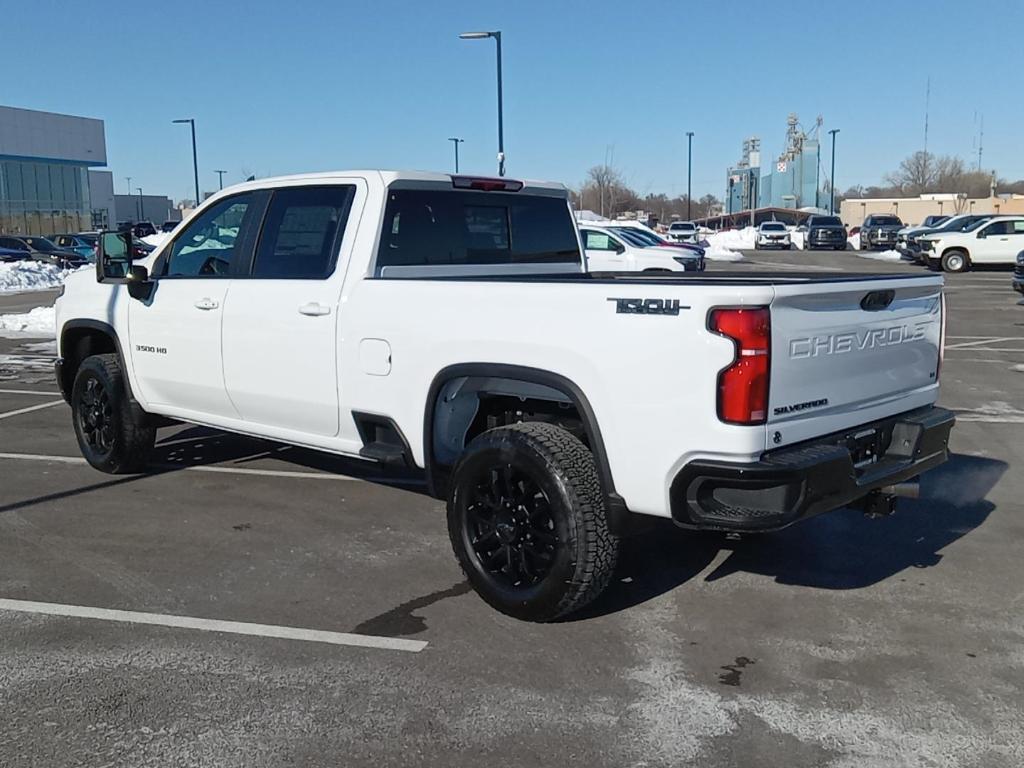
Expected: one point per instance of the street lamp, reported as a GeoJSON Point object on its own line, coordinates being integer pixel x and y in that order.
{"type": "Point", "coordinates": [129, 180]}
{"type": "Point", "coordinates": [501, 128]}
{"type": "Point", "coordinates": [456, 141]}
{"type": "Point", "coordinates": [689, 174]}
{"type": "Point", "coordinates": [220, 178]}
{"type": "Point", "coordinates": [195, 164]}
{"type": "Point", "coordinates": [142, 208]}
{"type": "Point", "coordinates": [832, 192]}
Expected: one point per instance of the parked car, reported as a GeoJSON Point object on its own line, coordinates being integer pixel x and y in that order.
{"type": "Point", "coordinates": [13, 254]}
{"type": "Point", "coordinates": [642, 239]}
{"type": "Point", "coordinates": [84, 244]}
{"type": "Point", "coordinates": [997, 240]}
{"type": "Point", "coordinates": [682, 232]}
{"type": "Point", "coordinates": [43, 250]}
{"type": "Point", "coordinates": [143, 229]}
{"type": "Point", "coordinates": [168, 226]}
{"type": "Point", "coordinates": [879, 231]}
{"type": "Point", "coordinates": [1018, 274]}
{"type": "Point", "coordinates": [773, 234]}
{"type": "Point", "coordinates": [964, 222]}
{"type": "Point", "coordinates": [825, 232]}
{"type": "Point", "coordinates": [649, 236]}
{"type": "Point", "coordinates": [609, 251]}
{"type": "Point", "coordinates": [448, 324]}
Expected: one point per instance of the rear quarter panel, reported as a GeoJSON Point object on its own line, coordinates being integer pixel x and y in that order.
{"type": "Point", "coordinates": [650, 379]}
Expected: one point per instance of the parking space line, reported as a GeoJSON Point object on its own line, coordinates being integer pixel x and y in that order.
{"type": "Point", "coordinates": [989, 340]}
{"type": "Point", "coordinates": [215, 625]}
{"type": "Point", "coordinates": [225, 470]}
{"type": "Point", "coordinates": [30, 409]}
{"type": "Point", "coordinates": [27, 392]}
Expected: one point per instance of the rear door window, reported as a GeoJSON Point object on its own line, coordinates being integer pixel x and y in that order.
{"type": "Point", "coordinates": [302, 232]}
{"type": "Point", "coordinates": [438, 228]}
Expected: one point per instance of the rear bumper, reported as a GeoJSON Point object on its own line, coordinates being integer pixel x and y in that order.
{"type": "Point", "coordinates": [814, 477]}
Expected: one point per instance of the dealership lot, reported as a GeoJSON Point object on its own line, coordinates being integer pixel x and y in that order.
{"type": "Point", "coordinates": [279, 606]}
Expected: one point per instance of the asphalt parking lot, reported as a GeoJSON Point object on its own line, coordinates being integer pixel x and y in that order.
{"type": "Point", "coordinates": [841, 641]}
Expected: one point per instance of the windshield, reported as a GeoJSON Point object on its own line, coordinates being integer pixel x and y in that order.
{"type": "Point", "coordinates": [886, 221]}
{"type": "Point", "coordinates": [973, 225]}
{"type": "Point", "coordinates": [637, 236]}
{"type": "Point", "coordinates": [773, 226]}
{"type": "Point", "coordinates": [685, 226]}
{"type": "Point", "coordinates": [87, 239]}
{"type": "Point", "coordinates": [41, 244]}
{"type": "Point", "coordinates": [826, 221]}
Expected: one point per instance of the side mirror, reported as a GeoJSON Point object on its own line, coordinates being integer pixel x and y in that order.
{"type": "Point", "coordinates": [113, 257]}
{"type": "Point", "coordinates": [982, 235]}
{"type": "Point", "coordinates": [139, 285]}
{"type": "Point", "coordinates": [619, 248]}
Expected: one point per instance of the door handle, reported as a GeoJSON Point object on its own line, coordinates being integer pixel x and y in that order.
{"type": "Point", "coordinates": [314, 309]}
{"type": "Point", "coordinates": [206, 304]}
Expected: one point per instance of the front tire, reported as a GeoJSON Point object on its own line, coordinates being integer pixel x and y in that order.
{"type": "Point", "coordinates": [955, 260]}
{"type": "Point", "coordinates": [527, 521]}
{"type": "Point", "coordinates": [114, 434]}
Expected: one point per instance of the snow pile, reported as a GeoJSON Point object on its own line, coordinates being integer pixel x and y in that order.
{"type": "Point", "coordinates": [724, 245]}
{"type": "Point", "coordinates": [733, 239]}
{"type": "Point", "coordinates": [717, 253]}
{"type": "Point", "coordinates": [40, 322]}
{"type": "Point", "coordinates": [854, 240]}
{"type": "Point", "coordinates": [156, 240]}
{"type": "Point", "coordinates": [889, 255]}
{"type": "Point", "coordinates": [30, 276]}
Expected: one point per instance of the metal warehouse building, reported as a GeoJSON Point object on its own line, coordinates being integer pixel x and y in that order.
{"type": "Point", "coordinates": [44, 171]}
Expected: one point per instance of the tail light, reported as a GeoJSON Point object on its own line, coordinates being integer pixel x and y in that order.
{"type": "Point", "coordinates": [743, 385]}
{"type": "Point", "coordinates": [942, 334]}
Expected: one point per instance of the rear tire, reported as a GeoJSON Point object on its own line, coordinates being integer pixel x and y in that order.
{"type": "Point", "coordinates": [114, 434]}
{"type": "Point", "coordinates": [527, 521]}
{"type": "Point", "coordinates": [955, 260]}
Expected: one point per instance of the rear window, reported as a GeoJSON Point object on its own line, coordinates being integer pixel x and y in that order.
{"type": "Point", "coordinates": [436, 227]}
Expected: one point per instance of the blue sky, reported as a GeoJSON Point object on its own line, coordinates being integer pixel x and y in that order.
{"type": "Point", "coordinates": [284, 87]}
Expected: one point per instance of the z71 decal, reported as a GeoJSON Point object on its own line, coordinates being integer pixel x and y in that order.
{"type": "Point", "coordinates": [647, 306]}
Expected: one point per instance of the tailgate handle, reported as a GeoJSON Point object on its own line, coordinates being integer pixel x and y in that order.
{"type": "Point", "coordinates": [876, 300]}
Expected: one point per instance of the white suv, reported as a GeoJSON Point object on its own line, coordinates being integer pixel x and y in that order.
{"type": "Point", "coordinates": [682, 232]}
{"type": "Point", "coordinates": [997, 241]}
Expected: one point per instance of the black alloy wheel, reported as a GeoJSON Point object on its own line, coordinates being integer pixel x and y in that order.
{"type": "Point", "coordinates": [96, 417]}
{"type": "Point", "coordinates": [509, 520]}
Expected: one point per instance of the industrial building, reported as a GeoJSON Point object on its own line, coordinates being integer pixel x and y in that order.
{"type": "Point", "coordinates": [792, 182]}
{"type": "Point", "coordinates": [44, 171]}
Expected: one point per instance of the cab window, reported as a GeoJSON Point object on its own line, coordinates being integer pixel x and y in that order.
{"type": "Point", "coordinates": [209, 244]}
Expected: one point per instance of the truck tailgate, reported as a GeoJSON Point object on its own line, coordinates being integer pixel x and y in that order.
{"type": "Point", "coordinates": [851, 352]}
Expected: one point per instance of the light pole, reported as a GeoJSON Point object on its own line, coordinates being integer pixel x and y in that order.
{"type": "Point", "coordinates": [689, 172]}
{"type": "Point", "coordinates": [832, 190]}
{"type": "Point", "coordinates": [142, 208]}
{"type": "Point", "coordinates": [129, 180]}
{"type": "Point", "coordinates": [501, 127]}
{"type": "Point", "coordinates": [195, 164]}
{"type": "Point", "coordinates": [456, 141]}
{"type": "Point", "coordinates": [220, 178]}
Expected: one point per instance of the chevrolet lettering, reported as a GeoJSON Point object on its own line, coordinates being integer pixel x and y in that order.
{"type": "Point", "coordinates": [841, 343]}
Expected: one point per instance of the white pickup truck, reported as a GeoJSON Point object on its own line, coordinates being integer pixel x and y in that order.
{"type": "Point", "coordinates": [449, 324]}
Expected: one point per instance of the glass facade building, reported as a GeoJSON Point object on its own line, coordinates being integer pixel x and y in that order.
{"type": "Point", "coordinates": [43, 198]}
{"type": "Point", "coordinates": [44, 171]}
